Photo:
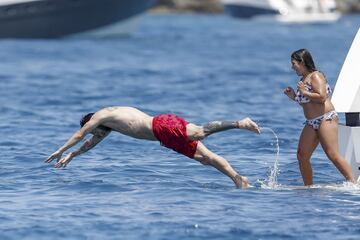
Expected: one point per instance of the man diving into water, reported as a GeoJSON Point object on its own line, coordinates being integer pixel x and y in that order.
{"type": "Point", "coordinates": [169, 129]}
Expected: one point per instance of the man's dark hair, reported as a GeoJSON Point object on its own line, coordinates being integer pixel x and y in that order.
{"type": "Point", "coordinates": [304, 56]}
{"type": "Point", "coordinates": [85, 119]}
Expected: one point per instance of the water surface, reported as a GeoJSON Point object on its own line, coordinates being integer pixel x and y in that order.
{"type": "Point", "coordinates": [201, 67]}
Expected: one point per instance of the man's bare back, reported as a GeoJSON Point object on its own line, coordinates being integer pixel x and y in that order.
{"type": "Point", "coordinates": [128, 121]}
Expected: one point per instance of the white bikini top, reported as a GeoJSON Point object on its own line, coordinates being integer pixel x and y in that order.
{"type": "Point", "coordinates": [301, 99]}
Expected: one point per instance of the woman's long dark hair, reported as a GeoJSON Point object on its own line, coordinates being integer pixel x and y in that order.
{"type": "Point", "coordinates": [304, 56]}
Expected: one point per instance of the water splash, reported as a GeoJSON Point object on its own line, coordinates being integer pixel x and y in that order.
{"type": "Point", "coordinates": [271, 183]}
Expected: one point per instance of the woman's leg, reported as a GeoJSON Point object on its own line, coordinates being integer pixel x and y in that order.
{"type": "Point", "coordinates": [307, 144]}
{"type": "Point", "coordinates": [328, 135]}
{"type": "Point", "coordinates": [206, 157]}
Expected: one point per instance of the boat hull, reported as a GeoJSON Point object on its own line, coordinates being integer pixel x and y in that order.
{"type": "Point", "coordinates": [53, 19]}
{"type": "Point", "coordinates": [244, 11]}
{"type": "Point", "coordinates": [349, 142]}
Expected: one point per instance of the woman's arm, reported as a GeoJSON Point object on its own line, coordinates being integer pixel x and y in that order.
{"type": "Point", "coordinates": [318, 84]}
{"type": "Point", "coordinates": [289, 91]}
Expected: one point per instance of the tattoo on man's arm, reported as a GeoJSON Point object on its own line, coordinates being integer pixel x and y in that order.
{"type": "Point", "coordinates": [218, 126]}
{"type": "Point", "coordinates": [86, 146]}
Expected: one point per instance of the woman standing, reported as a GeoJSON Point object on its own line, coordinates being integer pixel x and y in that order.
{"type": "Point", "coordinates": [313, 94]}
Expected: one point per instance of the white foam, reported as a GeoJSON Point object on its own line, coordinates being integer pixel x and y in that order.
{"type": "Point", "coordinates": [343, 187]}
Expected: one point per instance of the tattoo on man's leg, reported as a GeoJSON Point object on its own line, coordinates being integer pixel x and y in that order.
{"type": "Point", "coordinates": [218, 126]}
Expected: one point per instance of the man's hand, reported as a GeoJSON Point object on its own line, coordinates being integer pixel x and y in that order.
{"type": "Point", "coordinates": [64, 161]}
{"type": "Point", "coordinates": [55, 155]}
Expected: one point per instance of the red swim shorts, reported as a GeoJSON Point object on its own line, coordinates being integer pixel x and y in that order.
{"type": "Point", "coordinates": [170, 130]}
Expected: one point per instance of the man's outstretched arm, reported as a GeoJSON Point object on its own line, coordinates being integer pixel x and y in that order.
{"type": "Point", "coordinates": [88, 144]}
{"type": "Point", "coordinates": [74, 139]}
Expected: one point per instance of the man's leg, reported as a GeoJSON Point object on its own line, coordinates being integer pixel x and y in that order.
{"type": "Point", "coordinates": [195, 132]}
{"type": "Point", "coordinates": [206, 157]}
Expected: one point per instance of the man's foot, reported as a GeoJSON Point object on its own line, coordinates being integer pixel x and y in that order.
{"type": "Point", "coordinates": [249, 124]}
{"type": "Point", "coordinates": [241, 182]}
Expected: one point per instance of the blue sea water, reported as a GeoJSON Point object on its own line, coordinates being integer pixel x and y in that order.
{"type": "Point", "coordinates": [201, 67]}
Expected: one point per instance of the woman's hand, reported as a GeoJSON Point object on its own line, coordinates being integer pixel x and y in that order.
{"type": "Point", "coordinates": [289, 91]}
{"type": "Point", "coordinates": [301, 86]}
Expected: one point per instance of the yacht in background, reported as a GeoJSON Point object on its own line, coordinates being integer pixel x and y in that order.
{"type": "Point", "coordinates": [59, 18]}
{"type": "Point", "coordinates": [249, 8]}
{"type": "Point", "coordinates": [287, 11]}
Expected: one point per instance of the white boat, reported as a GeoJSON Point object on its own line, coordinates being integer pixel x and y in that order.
{"type": "Point", "coordinates": [286, 11]}
{"type": "Point", "coordinates": [346, 99]}
{"type": "Point", "coordinates": [59, 18]}
{"type": "Point", "coordinates": [249, 8]}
